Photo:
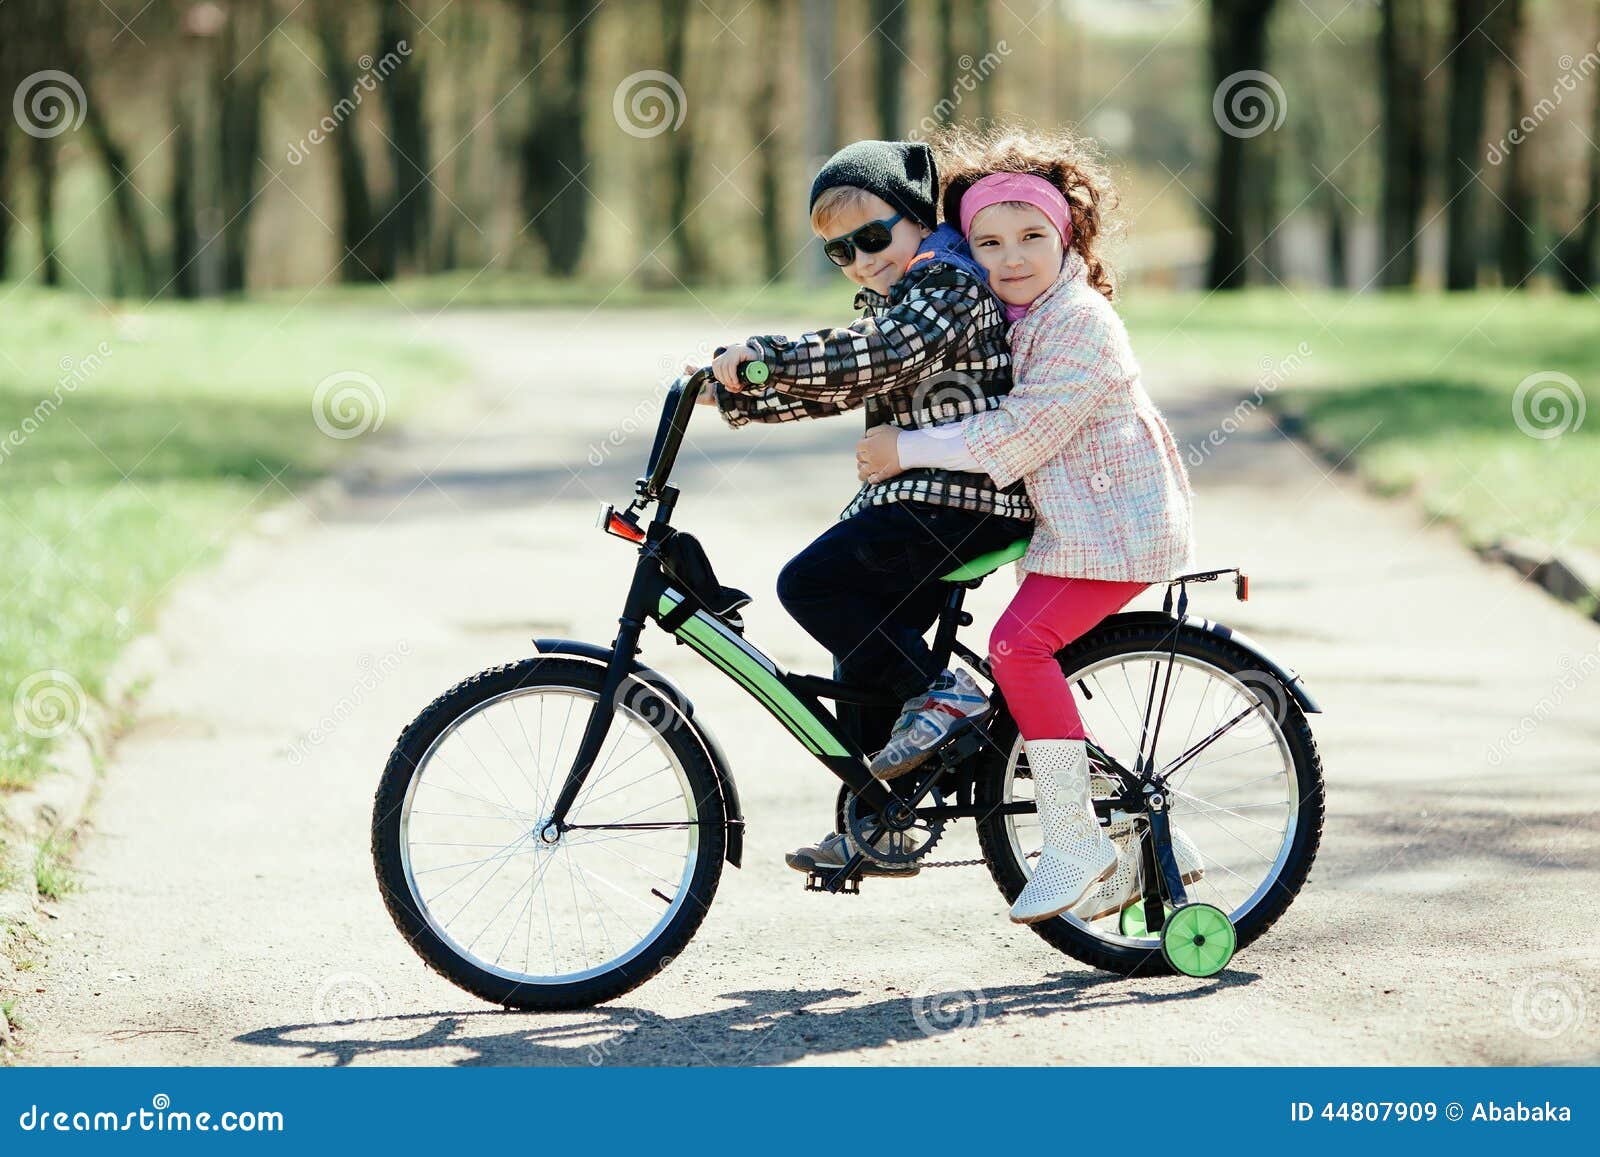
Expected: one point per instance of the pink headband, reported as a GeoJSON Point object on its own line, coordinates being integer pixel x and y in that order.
{"type": "Point", "coordinates": [1024, 187]}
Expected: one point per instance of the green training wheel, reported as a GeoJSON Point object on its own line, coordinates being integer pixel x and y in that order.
{"type": "Point", "coordinates": [1198, 940]}
{"type": "Point", "coordinates": [1132, 922]}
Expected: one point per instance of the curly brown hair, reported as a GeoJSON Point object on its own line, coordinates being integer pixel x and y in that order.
{"type": "Point", "coordinates": [1067, 160]}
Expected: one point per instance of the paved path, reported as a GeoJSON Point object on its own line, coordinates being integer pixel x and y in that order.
{"type": "Point", "coordinates": [230, 915]}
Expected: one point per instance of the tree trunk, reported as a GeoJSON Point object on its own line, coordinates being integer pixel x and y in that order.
{"type": "Point", "coordinates": [553, 154]}
{"type": "Point", "coordinates": [362, 251]}
{"type": "Point", "coordinates": [1469, 66]}
{"type": "Point", "coordinates": [181, 208]}
{"type": "Point", "coordinates": [411, 215]}
{"type": "Point", "coordinates": [690, 260]}
{"type": "Point", "coordinates": [1238, 42]}
{"type": "Point", "coordinates": [945, 20]}
{"type": "Point", "coordinates": [983, 17]}
{"type": "Point", "coordinates": [1405, 164]}
{"type": "Point", "coordinates": [769, 144]}
{"type": "Point", "coordinates": [822, 128]}
{"type": "Point", "coordinates": [237, 92]}
{"type": "Point", "coordinates": [888, 71]}
{"type": "Point", "coordinates": [1517, 224]}
{"type": "Point", "coordinates": [43, 150]}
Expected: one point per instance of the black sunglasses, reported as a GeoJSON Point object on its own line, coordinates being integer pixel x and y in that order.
{"type": "Point", "coordinates": [873, 237]}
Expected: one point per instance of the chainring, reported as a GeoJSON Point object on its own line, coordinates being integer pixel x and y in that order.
{"type": "Point", "coordinates": [898, 847]}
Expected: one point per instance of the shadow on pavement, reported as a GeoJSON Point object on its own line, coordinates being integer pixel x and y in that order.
{"type": "Point", "coordinates": [764, 1026]}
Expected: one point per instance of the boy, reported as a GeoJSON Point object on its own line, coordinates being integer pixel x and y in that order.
{"type": "Point", "coordinates": [930, 349]}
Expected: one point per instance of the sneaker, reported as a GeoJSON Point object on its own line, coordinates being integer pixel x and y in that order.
{"type": "Point", "coordinates": [830, 853]}
{"type": "Point", "coordinates": [926, 720]}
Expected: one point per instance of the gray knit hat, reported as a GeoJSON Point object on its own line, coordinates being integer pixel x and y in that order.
{"type": "Point", "coordinates": [903, 173]}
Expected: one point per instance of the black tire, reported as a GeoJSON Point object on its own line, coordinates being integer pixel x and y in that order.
{"type": "Point", "coordinates": [387, 835]}
{"type": "Point", "coordinates": [1071, 936]}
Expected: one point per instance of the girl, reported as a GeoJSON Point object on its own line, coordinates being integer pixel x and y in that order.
{"type": "Point", "coordinates": [1109, 490]}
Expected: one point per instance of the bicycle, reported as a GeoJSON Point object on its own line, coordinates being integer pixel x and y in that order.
{"type": "Point", "coordinates": [552, 877]}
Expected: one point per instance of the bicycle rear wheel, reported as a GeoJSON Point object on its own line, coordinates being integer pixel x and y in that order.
{"type": "Point", "coordinates": [1245, 788]}
{"type": "Point", "coordinates": [472, 882]}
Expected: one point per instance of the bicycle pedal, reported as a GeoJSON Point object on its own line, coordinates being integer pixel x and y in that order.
{"type": "Point", "coordinates": [965, 740]}
{"type": "Point", "coordinates": [818, 882]}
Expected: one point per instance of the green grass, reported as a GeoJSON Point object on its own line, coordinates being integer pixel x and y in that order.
{"type": "Point", "coordinates": [1418, 390]}
{"type": "Point", "coordinates": [131, 446]}
{"type": "Point", "coordinates": [52, 873]}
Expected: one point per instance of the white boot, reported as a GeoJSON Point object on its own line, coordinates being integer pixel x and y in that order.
{"type": "Point", "coordinates": [1115, 892]}
{"type": "Point", "coordinates": [1077, 853]}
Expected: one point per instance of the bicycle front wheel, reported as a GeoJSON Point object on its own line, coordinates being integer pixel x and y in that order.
{"type": "Point", "coordinates": [464, 856]}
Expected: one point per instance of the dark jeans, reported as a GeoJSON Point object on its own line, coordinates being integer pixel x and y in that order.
{"type": "Point", "coordinates": [868, 590]}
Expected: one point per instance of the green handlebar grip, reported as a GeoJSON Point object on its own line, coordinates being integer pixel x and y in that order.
{"type": "Point", "coordinates": [756, 373]}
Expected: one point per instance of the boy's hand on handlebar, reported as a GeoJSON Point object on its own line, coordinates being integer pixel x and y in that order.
{"type": "Point", "coordinates": [726, 365]}
{"type": "Point", "coordinates": [878, 455]}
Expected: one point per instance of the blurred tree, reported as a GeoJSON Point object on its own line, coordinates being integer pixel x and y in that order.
{"type": "Point", "coordinates": [1237, 43]}
{"type": "Point", "coordinates": [10, 35]}
{"type": "Point", "coordinates": [238, 92]}
{"type": "Point", "coordinates": [983, 22]}
{"type": "Point", "coordinates": [690, 258]}
{"type": "Point", "coordinates": [821, 109]}
{"type": "Point", "coordinates": [552, 154]}
{"type": "Point", "coordinates": [1578, 267]}
{"type": "Point", "coordinates": [132, 262]}
{"type": "Point", "coordinates": [363, 252]}
{"type": "Point", "coordinates": [42, 152]}
{"type": "Point", "coordinates": [888, 64]}
{"type": "Point", "coordinates": [1402, 38]}
{"type": "Point", "coordinates": [769, 143]}
{"type": "Point", "coordinates": [945, 37]}
{"type": "Point", "coordinates": [410, 217]}
{"type": "Point", "coordinates": [1469, 68]}
{"type": "Point", "coordinates": [1517, 213]}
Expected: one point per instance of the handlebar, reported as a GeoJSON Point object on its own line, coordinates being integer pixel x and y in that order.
{"type": "Point", "coordinates": [675, 414]}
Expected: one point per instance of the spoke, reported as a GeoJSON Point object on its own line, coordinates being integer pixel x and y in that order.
{"type": "Point", "coordinates": [1105, 697]}
{"type": "Point", "coordinates": [461, 734]}
{"type": "Point", "coordinates": [1236, 837]}
{"type": "Point", "coordinates": [511, 849]}
{"type": "Point", "coordinates": [640, 867]}
{"type": "Point", "coordinates": [619, 890]}
{"type": "Point", "coordinates": [1246, 783]}
{"type": "Point", "coordinates": [495, 731]}
{"type": "Point", "coordinates": [514, 814]}
{"type": "Point", "coordinates": [625, 787]}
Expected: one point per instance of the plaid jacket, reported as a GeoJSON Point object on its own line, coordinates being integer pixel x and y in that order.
{"type": "Point", "coordinates": [1112, 494]}
{"type": "Point", "coordinates": [932, 352]}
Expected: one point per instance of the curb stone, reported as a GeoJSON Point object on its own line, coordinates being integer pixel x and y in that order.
{"type": "Point", "coordinates": [1573, 576]}
{"type": "Point", "coordinates": [55, 806]}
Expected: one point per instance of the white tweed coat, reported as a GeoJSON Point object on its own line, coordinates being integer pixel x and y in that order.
{"type": "Point", "coordinates": [1108, 486]}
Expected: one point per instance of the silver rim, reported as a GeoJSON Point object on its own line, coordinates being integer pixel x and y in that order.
{"type": "Point", "coordinates": [514, 904]}
{"type": "Point", "coordinates": [1237, 800]}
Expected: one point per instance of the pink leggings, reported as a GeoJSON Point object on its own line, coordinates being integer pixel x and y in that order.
{"type": "Point", "coordinates": [1047, 614]}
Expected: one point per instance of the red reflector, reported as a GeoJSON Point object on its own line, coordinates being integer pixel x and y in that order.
{"type": "Point", "coordinates": [1244, 588]}
{"type": "Point", "coordinates": [618, 526]}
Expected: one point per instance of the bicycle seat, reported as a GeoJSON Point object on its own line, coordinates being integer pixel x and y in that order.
{"type": "Point", "coordinates": [986, 564]}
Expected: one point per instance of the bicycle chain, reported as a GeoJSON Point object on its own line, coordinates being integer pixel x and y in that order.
{"type": "Point", "coordinates": [974, 863]}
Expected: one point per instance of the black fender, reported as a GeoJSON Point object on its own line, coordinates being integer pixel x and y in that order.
{"type": "Point", "coordinates": [1263, 661]}
{"type": "Point", "coordinates": [732, 813]}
